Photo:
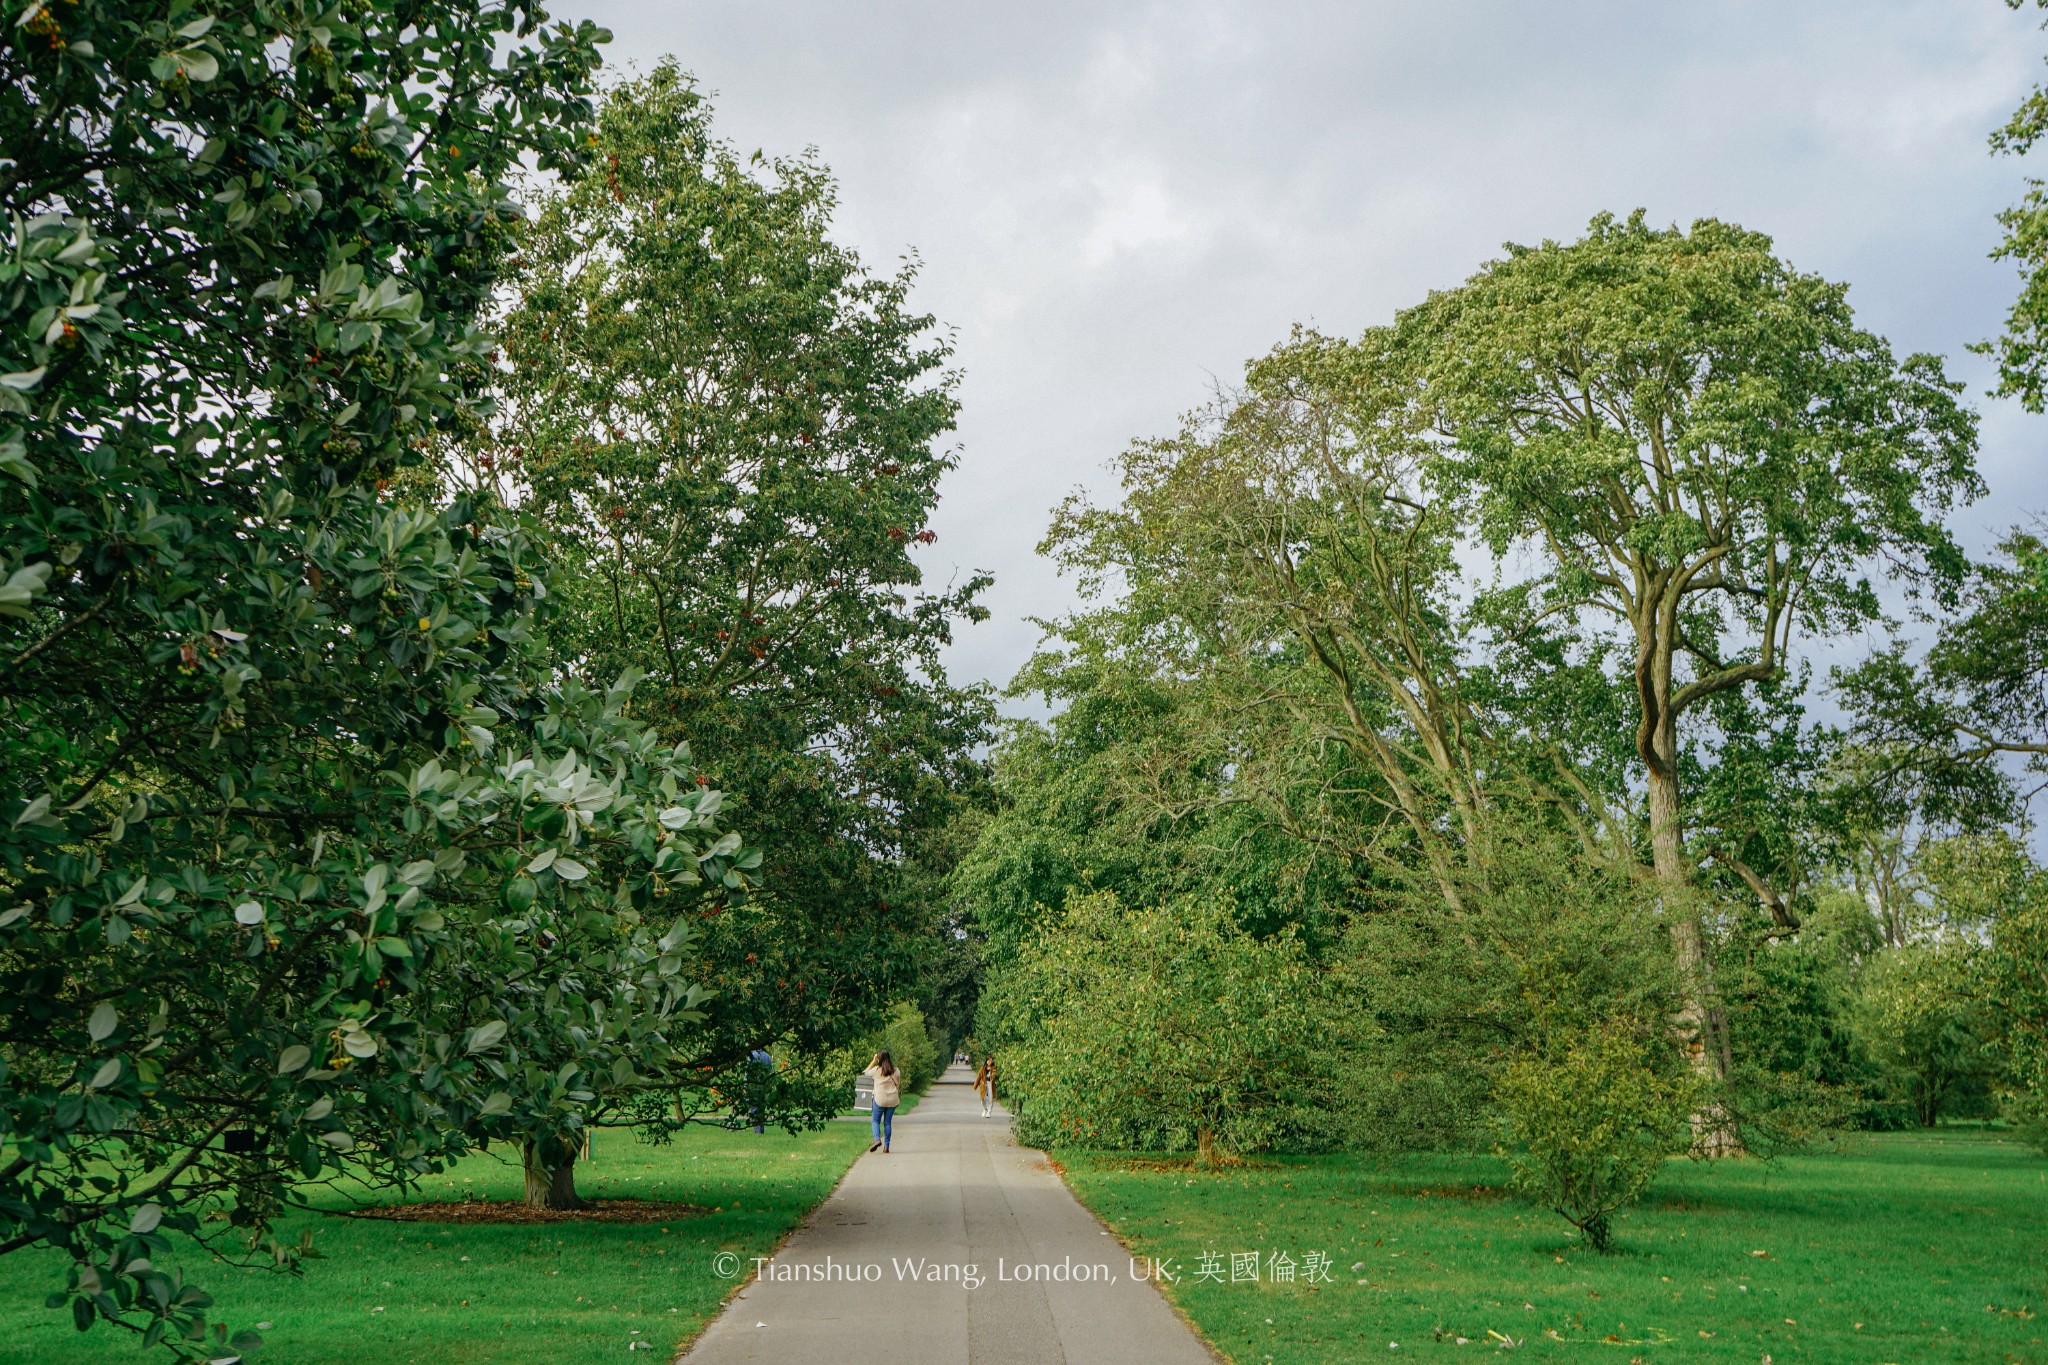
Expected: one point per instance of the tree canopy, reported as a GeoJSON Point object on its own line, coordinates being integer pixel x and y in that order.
{"type": "Point", "coordinates": [731, 432]}
{"type": "Point", "coordinates": [300, 827]}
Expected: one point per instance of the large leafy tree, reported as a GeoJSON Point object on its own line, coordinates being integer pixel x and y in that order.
{"type": "Point", "coordinates": [1707, 457]}
{"type": "Point", "coordinates": [276, 743]}
{"type": "Point", "coordinates": [1955, 724]}
{"type": "Point", "coordinates": [1288, 549]}
{"type": "Point", "coordinates": [731, 431]}
{"type": "Point", "coordinates": [2021, 350]}
{"type": "Point", "coordinates": [1280, 544]}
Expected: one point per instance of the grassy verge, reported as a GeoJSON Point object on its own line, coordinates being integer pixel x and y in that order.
{"type": "Point", "coordinates": [1898, 1248]}
{"type": "Point", "coordinates": [388, 1293]}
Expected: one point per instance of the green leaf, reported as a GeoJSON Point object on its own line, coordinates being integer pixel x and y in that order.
{"type": "Point", "coordinates": [486, 1035]}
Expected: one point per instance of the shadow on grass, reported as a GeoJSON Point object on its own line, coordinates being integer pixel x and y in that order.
{"type": "Point", "coordinates": [1468, 1193]}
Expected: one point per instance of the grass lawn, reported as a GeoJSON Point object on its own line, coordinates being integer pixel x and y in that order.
{"type": "Point", "coordinates": [1905, 1248]}
{"type": "Point", "coordinates": [388, 1293]}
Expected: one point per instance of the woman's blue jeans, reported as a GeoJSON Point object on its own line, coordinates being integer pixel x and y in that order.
{"type": "Point", "coordinates": [880, 1119]}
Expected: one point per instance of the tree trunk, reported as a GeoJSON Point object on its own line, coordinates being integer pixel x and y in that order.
{"type": "Point", "coordinates": [551, 1176]}
{"type": "Point", "coordinates": [1928, 1102]}
{"type": "Point", "coordinates": [1696, 1023]}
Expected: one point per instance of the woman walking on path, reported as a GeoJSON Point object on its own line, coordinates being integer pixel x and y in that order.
{"type": "Point", "coordinates": [985, 1084]}
{"type": "Point", "coordinates": [888, 1094]}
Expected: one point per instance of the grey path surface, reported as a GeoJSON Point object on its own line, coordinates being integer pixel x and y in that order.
{"type": "Point", "coordinates": [954, 1192]}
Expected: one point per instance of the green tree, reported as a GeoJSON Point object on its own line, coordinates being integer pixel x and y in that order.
{"type": "Point", "coordinates": [276, 743]}
{"type": "Point", "coordinates": [1703, 450]}
{"type": "Point", "coordinates": [1922, 1015]}
{"type": "Point", "coordinates": [1551, 946]}
{"type": "Point", "coordinates": [731, 432]}
{"type": "Point", "coordinates": [588, 971]}
{"type": "Point", "coordinates": [1283, 545]}
{"type": "Point", "coordinates": [1950, 715]}
{"type": "Point", "coordinates": [2020, 351]}
{"type": "Point", "coordinates": [906, 1035]}
{"type": "Point", "coordinates": [1586, 1128]}
{"type": "Point", "coordinates": [2016, 987]}
{"type": "Point", "coordinates": [1165, 1028]}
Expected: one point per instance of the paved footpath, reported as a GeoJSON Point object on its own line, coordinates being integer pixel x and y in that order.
{"type": "Point", "coordinates": [955, 1194]}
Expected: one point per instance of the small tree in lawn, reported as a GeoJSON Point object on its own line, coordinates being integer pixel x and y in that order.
{"type": "Point", "coordinates": [1585, 1128]}
{"type": "Point", "coordinates": [582, 979]}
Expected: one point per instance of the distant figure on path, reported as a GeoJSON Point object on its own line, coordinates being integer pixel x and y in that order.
{"type": "Point", "coordinates": [985, 1084]}
{"type": "Point", "coordinates": [764, 1076]}
{"type": "Point", "coordinates": [888, 1093]}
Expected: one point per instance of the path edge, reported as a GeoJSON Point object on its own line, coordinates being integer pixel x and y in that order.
{"type": "Point", "coordinates": [1216, 1353]}
{"type": "Point", "coordinates": [725, 1300]}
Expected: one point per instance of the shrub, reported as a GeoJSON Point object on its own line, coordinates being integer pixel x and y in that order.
{"type": "Point", "coordinates": [909, 1040]}
{"type": "Point", "coordinates": [1551, 946]}
{"type": "Point", "coordinates": [907, 1037]}
{"type": "Point", "coordinates": [1584, 1130]}
{"type": "Point", "coordinates": [1168, 1028]}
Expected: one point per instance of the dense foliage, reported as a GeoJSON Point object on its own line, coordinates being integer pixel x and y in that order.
{"type": "Point", "coordinates": [1686, 459]}
{"type": "Point", "coordinates": [308, 867]}
{"type": "Point", "coordinates": [1586, 1129]}
{"type": "Point", "coordinates": [2016, 1003]}
{"type": "Point", "coordinates": [1924, 1021]}
{"type": "Point", "coordinates": [1167, 1028]}
{"type": "Point", "coordinates": [1505, 817]}
{"type": "Point", "coordinates": [730, 432]}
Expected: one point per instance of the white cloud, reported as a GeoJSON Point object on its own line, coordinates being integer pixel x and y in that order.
{"type": "Point", "coordinates": [1116, 201]}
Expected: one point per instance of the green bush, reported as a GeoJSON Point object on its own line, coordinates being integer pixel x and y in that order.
{"type": "Point", "coordinates": [1923, 1016]}
{"type": "Point", "coordinates": [1550, 947]}
{"type": "Point", "coordinates": [2016, 982]}
{"type": "Point", "coordinates": [1584, 1130]}
{"type": "Point", "coordinates": [908, 1039]}
{"type": "Point", "coordinates": [1800, 1071]}
{"type": "Point", "coordinates": [1167, 1028]}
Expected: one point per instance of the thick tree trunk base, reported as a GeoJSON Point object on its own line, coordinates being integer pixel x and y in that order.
{"type": "Point", "coordinates": [552, 1187]}
{"type": "Point", "coordinates": [1209, 1156]}
{"type": "Point", "coordinates": [1715, 1134]}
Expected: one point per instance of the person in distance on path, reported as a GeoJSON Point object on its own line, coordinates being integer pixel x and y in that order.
{"type": "Point", "coordinates": [888, 1093]}
{"type": "Point", "coordinates": [985, 1084]}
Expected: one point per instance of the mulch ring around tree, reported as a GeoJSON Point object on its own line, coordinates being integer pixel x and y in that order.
{"type": "Point", "coordinates": [1193, 1165]}
{"type": "Point", "coordinates": [511, 1211]}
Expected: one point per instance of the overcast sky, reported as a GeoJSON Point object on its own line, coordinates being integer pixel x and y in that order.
{"type": "Point", "coordinates": [1117, 203]}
